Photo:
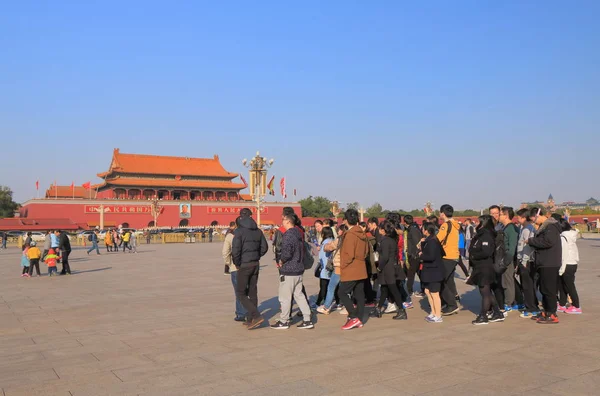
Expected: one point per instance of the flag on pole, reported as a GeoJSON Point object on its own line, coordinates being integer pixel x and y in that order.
{"type": "Point", "coordinates": [244, 181]}
{"type": "Point", "coordinates": [294, 192]}
{"type": "Point", "coordinates": [37, 185]}
{"type": "Point", "coordinates": [87, 185]}
{"type": "Point", "coordinates": [282, 185]}
{"type": "Point", "coordinates": [55, 190]}
{"type": "Point", "coordinates": [73, 189]}
{"type": "Point", "coordinates": [271, 186]}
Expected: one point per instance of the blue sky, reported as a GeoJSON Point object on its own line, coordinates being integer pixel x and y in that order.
{"type": "Point", "coordinates": [465, 102]}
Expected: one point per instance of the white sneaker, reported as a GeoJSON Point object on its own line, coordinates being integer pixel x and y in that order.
{"type": "Point", "coordinates": [391, 308]}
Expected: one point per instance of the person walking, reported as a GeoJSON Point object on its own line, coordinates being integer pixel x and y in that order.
{"type": "Point", "coordinates": [126, 239]}
{"type": "Point", "coordinates": [47, 245]}
{"type": "Point", "coordinates": [321, 270]}
{"type": "Point", "coordinates": [448, 237]}
{"type": "Point", "coordinates": [353, 270]}
{"type": "Point", "coordinates": [248, 246]}
{"type": "Point", "coordinates": [432, 271]}
{"type": "Point", "coordinates": [27, 241]}
{"type": "Point", "coordinates": [94, 239]}
{"type": "Point", "coordinates": [34, 255]}
{"type": "Point", "coordinates": [291, 270]}
{"type": "Point", "coordinates": [413, 239]}
{"type": "Point", "coordinates": [481, 253]}
{"type": "Point", "coordinates": [133, 242]}
{"type": "Point", "coordinates": [570, 259]}
{"type": "Point", "coordinates": [511, 239]}
{"type": "Point", "coordinates": [388, 263]}
{"type": "Point", "coordinates": [64, 245]}
{"type": "Point", "coordinates": [333, 247]}
{"type": "Point", "coordinates": [548, 260]}
{"type": "Point", "coordinates": [108, 241]}
{"type": "Point", "coordinates": [526, 265]}
{"type": "Point", "coordinates": [232, 270]}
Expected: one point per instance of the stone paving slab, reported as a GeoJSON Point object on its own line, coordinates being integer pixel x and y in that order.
{"type": "Point", "coordinates": [161, 323]}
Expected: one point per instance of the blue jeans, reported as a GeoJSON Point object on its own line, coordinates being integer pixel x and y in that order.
{"type": "Point", "coordinates": [94, 246]}
{"type": "Point", "coordinates": [240, 311]}
{"type": "Point", "coordinates": [333, 282]}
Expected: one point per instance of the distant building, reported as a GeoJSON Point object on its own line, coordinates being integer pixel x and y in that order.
{"type": "Point", "coordinates": [551, 205]}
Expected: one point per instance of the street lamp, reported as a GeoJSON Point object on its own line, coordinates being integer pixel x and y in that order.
{"type": "Point", "coordinates": [155, 209]}
{"type": "Point", "coordinates": [258, 179]}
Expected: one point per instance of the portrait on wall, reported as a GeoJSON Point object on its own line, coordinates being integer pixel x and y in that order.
{"type": "Point", "coordinates": [185, 211]}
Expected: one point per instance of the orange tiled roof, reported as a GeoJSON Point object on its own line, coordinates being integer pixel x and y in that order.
{"type": "Point", "coordinates": [163, 165]}
{"type": "Point", "coordinates": [67, 192]}
{"type": "Point", "coordinates": [246, 197]}
{"type": "Point", "coordinates": [171, 183]}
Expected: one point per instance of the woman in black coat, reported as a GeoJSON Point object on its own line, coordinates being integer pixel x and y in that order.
{"type": "Point", "coordinates": [388, 261]}
{"type": "Point", "coordinates": [432, 271]}
{"type": "Point", "coordinates": [481, 256]}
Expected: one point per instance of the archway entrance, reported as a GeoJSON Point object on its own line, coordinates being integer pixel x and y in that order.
{"type": "Point", "coordinates": [183, 223]}
{"type": "Point", "coordinates": [151, 223]}
{"type": "Point", "coordinates": [125, 225]}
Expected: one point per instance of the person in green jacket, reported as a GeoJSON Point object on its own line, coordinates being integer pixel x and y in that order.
{"type": "Point", "coordinates": [511, 239]}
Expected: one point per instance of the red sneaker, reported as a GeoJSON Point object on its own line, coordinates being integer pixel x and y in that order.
{"type": "Point", "coordinates": [352, 323]}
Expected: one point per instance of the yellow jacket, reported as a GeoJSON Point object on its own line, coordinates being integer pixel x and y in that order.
{"type": "Point", "coordinates": [126, 236]}
{"type": "Point", "coordinates": [34, 253]}
{"type": "Point", "coordinates": [451, 246]}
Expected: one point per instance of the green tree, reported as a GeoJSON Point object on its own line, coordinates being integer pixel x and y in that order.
{"type": "Point", "coordinates": [376, 210]}
{"type": "Point", "coordinates": [316, 207]}
{"type": "Point", "coordinates": [7, 205]}
{"type": "Point", "coordinates": [353, 205]}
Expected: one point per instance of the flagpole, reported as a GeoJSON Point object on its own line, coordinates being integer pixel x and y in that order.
{"type": "Point", "coordinates": [55, 190]}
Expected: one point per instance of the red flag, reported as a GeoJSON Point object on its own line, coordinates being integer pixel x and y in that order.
{"type": "Point", "coordinates": [282, 185]}
{"type": "Point", "coordinates": [243, 180]}
{"type": "Point", "coordinates": [270, 186]}
{"type": "Point", "coordinates": [294, 192]}
{"type": "Point", "coordinates": [73, 185]}
{"type": "Point", "coordinates": [87, 185]}
{"type": "Point", "coordinates": [37, 185]}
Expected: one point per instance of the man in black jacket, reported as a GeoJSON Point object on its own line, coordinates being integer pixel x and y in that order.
{"type": "Point", "coordinates": [248, 246]}
{"type": "Point", "coordinates": [64, 245]}
{"type": "Point", "coordinates": [291, 270]}
{"type": "Point", "coordinates": [412, 251]}
{"type": "Point", "coordinates": [548, 259]}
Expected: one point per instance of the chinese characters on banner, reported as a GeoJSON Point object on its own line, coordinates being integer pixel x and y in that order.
{"type": "Point", "coordinates": [118, 209]}
{"type": "Point", "coordinates": [236, 211]}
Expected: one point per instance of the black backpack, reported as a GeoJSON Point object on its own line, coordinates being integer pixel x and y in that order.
{"type": "Point", "coordinates": [500, 262]}
{"type": "Point", "coordinates": [90, 238]}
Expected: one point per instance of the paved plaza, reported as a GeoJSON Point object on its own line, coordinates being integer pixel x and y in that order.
{"type": "Point", "coordinates": [161, 323]}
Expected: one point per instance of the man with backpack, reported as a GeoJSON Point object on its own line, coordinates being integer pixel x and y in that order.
{"type": "Point", "coordinates": [93, 237]}
{"type": "Point", "coordinates": [248, 246]}
{"type": "Point", "coordinates": [448, 237]}
{"type": "Point", "coordinates": [548, 259]}
{"type": "Point", "coordinates": [291, 269]}
{"type": "Point", "coordinates": [511, 239]}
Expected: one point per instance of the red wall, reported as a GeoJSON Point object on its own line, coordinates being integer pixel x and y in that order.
{"type": "Point", "coordinates": [169, 216]}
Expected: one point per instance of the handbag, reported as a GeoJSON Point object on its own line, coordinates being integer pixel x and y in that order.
{"type": "Point", "coordinates": [318, 269]}
{"type": "Point", "coordinates": [330, 267]}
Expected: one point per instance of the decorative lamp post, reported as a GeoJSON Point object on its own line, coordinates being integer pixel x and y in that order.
{"type": "Point", "coordinates": [258, 179]}
{"type": "Point", "coordinates": [155, 208]}
{"type": "Point", "coordinates": [335, 209]}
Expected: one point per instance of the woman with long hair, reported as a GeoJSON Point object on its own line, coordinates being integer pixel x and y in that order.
{"type": "Point", "coordinates": [432, 271]}
{"type": "Point", "coordinates": [388, 261]}
{"type": "Point", "coordinates": [481, 256]}
{"type": "Point", "coordinates": [334, 281]}
{"type": "Point", "coordinates": [321, 271]}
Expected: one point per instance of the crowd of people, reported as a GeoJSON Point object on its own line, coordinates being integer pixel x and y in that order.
{"type": "Point", "coordinates": [57, 248]}
{"type": "Point", "coordinates": [509, 257]}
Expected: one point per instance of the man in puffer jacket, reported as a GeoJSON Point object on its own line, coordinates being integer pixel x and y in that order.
{"type": "Point", "coordinates": [291, 270]}
{"type": "Point", "coordinates": [548, 259]}
{"type": "Point", "coordinates": [248, 246]}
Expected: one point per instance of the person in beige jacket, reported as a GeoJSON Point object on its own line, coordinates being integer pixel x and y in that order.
{"type": "Point", "coordinates": [240, 311]}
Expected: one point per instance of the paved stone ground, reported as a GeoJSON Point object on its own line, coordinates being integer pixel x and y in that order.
{"type": "Point", "coordinates": [161, 323]}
